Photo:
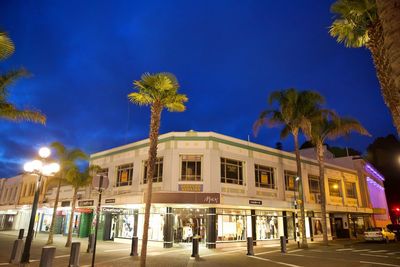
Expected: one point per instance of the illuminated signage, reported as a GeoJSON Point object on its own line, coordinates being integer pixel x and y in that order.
{"type": "Point", "coordinates": [190, 187]}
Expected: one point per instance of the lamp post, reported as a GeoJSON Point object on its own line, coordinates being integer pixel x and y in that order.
{"type": "Point", "coordinates": [40, 168]}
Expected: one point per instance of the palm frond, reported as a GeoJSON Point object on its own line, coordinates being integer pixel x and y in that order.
{"type": "Point", "coordinates": [6, 46]}
{"type": "Point", "coordinates": [10, 112]}
{"type": "Point", "coordinates": [175, 102]}
{"type": "Point", "coordinates": [9, 78]}
{"type": "Point", "coordinates": [140, 99]}
{"type": "Point", "coordinates": [344, 126]}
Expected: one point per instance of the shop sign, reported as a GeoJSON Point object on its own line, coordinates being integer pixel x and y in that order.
{"type": "Point", "coordinates": [84, 210]}
{"type": "Point", "coordinates": [109, 200]}
{"type": "Point", "coordinates": [113, 210]}
{"type": "Point", "coordinates": [190, 187]}
{"type": "Point", "coordinates": [310, 213]}
{"type": "Point", "coordinates": [86, 203]}
{"type": "Point", "coordinates": [65, 203]}
{"type": "Point", "coordinates": [186, 198]}
{"type": "Point", "coordinates": [255, 202]}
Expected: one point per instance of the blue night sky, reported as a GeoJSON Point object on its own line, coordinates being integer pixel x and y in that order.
{"type": "Point", "coordinates": [227, 55]}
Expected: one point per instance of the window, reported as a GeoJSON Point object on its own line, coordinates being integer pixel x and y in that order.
{"type": "Point", "coordinates": [264, 176]}
{"type": "Point", "coordinates": [191, 168]}
{"type": "Point", "coordinates": [231, 171]}
{"type": "Point", "coordinates": [313, 182]}
{"type": "Point", "coordinates": [290, 180]}
{"type": "Point", "coordinates": [158, 171]}
{"type": "Point", "coordinates": [351, 190]}
{"type": "Point", "coordinates": [334, 188]}
{"type": "Point", "coordinates": [124, 174]}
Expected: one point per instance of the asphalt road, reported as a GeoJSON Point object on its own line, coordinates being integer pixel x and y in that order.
{"type": "Point", "coordinates": [339, 253]}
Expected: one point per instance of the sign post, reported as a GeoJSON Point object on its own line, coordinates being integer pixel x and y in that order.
{"type": "Point", "coordinates": [100, 183]}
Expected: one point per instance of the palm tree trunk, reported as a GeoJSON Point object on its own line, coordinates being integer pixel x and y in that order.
{"type": "Point", "coordinates": [53, 218]}
{"type": "Point", "coordinates": [389, 15]}
{"type": "Point", "coordinates": [71, 219]}
{"type": "Point", "coordinates": [156, 109]}
{"type": "Point", "coordinates": [320, 155]}
{"type": "Point", "coordinates": [301, 193]}
{"type": "Point", "coordinates": [390, 92]}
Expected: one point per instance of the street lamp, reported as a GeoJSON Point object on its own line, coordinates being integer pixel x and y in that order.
{"type": "Point", "coordinates": [39, 167]}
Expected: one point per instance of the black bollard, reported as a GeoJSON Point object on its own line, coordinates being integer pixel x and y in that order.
{"type": "Point", "coordinates": [46, 260]}
{"type": "Point", "coordinates": [90, 243]}
{"type": "Point", "coordinates": [74, 254]}
{"type": "Point", "coordinates": [21, 234]}
{"type": "Point", "coordinates": [195, 247]}
{"type": "Point", "coordinates": [134, 246]}
{"type": "Point", "coordinates": [250, 250]}
{"type": "Point", "coordinates": [283, 244]}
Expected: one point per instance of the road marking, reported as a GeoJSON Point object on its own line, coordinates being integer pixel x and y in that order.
{"type": "Point", "coordinates": [61, 256]}
{"type": "Point", "coordinates": [378, 251]}
{"type": "Point", "coordinates": [277, 262]}
{"type": "Point", "coordinates": [379, 263]}
{"type": "Point", "coordinates": [361, 250]}
{"type": "Point", "coordinates": [113, 250]}
{"type": "Point", "coordinates": [392, 253]}
{"type": "Point", "coordinates": [4, 263]}
{"type": "Point", "coordinates": [296, 250]}
{"type": "Point", "coordinates": [266, 252]}
{"type": "Point", "coordinates": [227, 252]}
{"type": "Point", "coordinates": [371, 255]}
{"type": "Point", "coordinates": [344, 249]}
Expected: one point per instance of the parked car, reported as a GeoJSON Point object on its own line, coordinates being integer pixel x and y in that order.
{"type": "Point", "coordinates": [395, 228]}
{"type": "Point", "coordinates": [379, 234]}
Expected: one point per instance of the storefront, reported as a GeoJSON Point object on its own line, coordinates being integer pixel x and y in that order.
{"type": "Point", "coordinates": [7, 220]}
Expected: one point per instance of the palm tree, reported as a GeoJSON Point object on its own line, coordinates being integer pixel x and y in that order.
{"type": "Point", "coordinates": [158, 91]}
{"type": "Point", "coordinates": [329, 126]}
{"type": "Point", "coordinates": [389, 16]}
{"type": "Point", "coordinates": [6, 46]}
{"type": "Point", "coordinates": [8, 110]}
{"type": "Point", "coordinates": [77, 179]}
{"type": "Point", "coordinates": [358, 25]}
{"type": "Point", "coordinates": [67, 159]}
{"type": "Point", "coordinates": [295, 109]}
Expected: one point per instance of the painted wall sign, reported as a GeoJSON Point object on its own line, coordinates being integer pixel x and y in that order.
{"type": "Point", "coordinates": [186, 198]}
{"type": "Point", "coordinates": [86, 203]}
{"type": "Point", "coordinates": [113, 210]}
{"type": "Point", "coordinates": [255, 202]}
{"type": "Point", "coordinates": [190, 187]}
{"type": "Point", "coordinates": [65, 203]}
{"type": "Point", "coordinates": [83, 210]}
{"type": "Point", "coordinates": [109, 200]}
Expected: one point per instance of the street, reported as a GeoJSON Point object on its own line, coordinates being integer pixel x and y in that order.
{"type": "Point", "coordinates": [338, 253]}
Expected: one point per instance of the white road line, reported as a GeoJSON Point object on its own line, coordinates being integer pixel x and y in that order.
{"type": "Point", "coordinates": [361, 250]}
{"type": "Point", "coordinates": [277, 262]}
{"type": "Point", "coordinates": [217, 254]}
{"type": "Point", "coordinates": [266, 252]}
{"type": "Point", "coordinates": [113, 250]}
{"type": "Point", "coordinates": [296, 250]}
{"type": "Point", "coordinates": [4, 263]}
{"type": "Point", "coordinates": [393, 253]}
{"type": "Point", "coordinates": [61, 256]}
{"type": "Point", "coordinates": [371, 255]}
{"type": "Point", "coordinates": [378, 251]}
{"type": "Point", "coordinates": [379, 263]}
{"type": "Point", "coordinates": [344, 249]}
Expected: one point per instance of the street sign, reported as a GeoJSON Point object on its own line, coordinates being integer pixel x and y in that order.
{"type": "Point", "coordinates": [100, 182]}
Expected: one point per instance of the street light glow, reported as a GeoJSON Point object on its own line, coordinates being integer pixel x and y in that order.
{"type": "Point", "coordinates": [28, 167]}
{"type": "Point", "coordinates": [37, 165]}
{"type": "Point", "coordinates": [44, 152]}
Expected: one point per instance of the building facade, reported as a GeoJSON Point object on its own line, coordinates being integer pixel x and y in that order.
{"type": "Point", "coordinates": [223, 190]}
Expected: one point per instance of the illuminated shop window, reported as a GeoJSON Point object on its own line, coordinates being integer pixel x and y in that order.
{"type": "Point", "coordinates": [351, 190]}
{"type": "Point", "coordinates": [231, 171]}
{"type": "Point", "coordinates": [124, 174]}
{"type": "Point", "coordinates": [264, 176]}
{"type": "Point", "coordinates": [231, 225]}
{"type": "Point", "coordinates": [158, 171]}
{"type": "Point", "coordinates": [267, 225]}
{"type": "Point", "coordinates": [334, 188]}
{"type": "Point", "coordinates": [313, 182]}
{"type": "Point", "coordinates": [191, 168]}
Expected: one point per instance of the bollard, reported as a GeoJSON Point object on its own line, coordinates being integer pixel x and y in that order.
{"type": "Point", "coordinates": [21, 234]}
{"type": "Point", "coordinates": [90, 244]}
{"type": "Point", "coordinates": [283, 244]}
{"type": "Point", "coordinates": [46, 260]}
{"type": "Point", "coordinates": [134, 246]}
{"type": "Point", "coordinates": [250, 250]}
{"type": "Point", "coordinates": [16, 253]}
{"type": "Point", "coordinates": [195, 247]}
{"type": "Point", "coordinates": [74, 255]}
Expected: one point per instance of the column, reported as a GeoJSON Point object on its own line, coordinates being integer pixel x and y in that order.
{"type": "Point", "coordinates": [285, 228]}
{"type": "Point", "coordinates": [211, 230]}
{"type": "Point", "coordinates": [135, 221]}
{"type": "Point", "coordinates": [169, 228]}
{"type": "Point", "coordinates": [253, 226]}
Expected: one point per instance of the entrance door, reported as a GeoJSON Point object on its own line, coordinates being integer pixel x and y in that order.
{"type": "Point", "coordinates": [110, 226]}
{"type": "Point", "coordinates": [189, 223]}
